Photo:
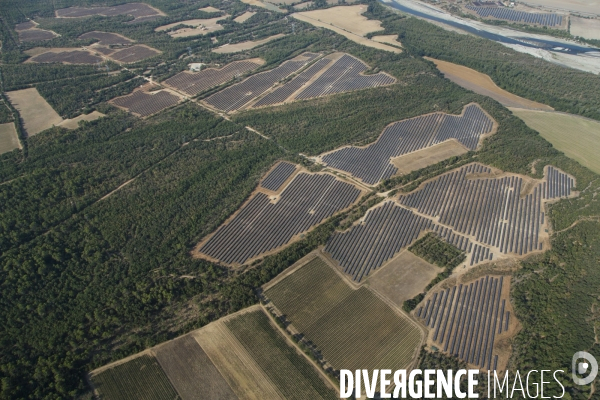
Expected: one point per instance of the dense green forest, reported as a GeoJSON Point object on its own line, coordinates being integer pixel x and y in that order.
{"type": "Point", "coordinates": [87, 280]}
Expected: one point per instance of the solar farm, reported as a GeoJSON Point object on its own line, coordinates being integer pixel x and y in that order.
{"type": "Point", "coordinates": [266, 222]}
{"type": "Point", "coordinates": [545, 19]}
{"type": "Point", "coordinates": [134, 54]}
{"type": "Point", "coordinates": [352, 328]}
{"type": "Point", "coordinates": [144, 104]}
{"type": "Point", "coordinates": [466, 320]}
{"type": "Point", "coordinates": [67, 56]}
{"type": "Point", "coordinates": [487, 216]}
{"type": "Point", "coordinates": [140, 11]}
{"type": "Point", "coordinates": [372, 164]}
{"type": "Point", "coordinates": [335, 73]}
{"type": "Point", "coordinates": [107, 38]}
{"type": "Point", "coordinates": [193, 83]}
{"type": "Point", "coordinates": [29, 32]}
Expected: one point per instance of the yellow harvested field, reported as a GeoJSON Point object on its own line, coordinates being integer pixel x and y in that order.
{"type": "Point", "coordinates": [577, 137]}
{"type": "Point", "coordinates": [403, 277]}
{"type": "Point", "coordinates": [429, 156]}
{"type": "Point", "coordinates": [482, 84]}
{"type": "Point", "coordinates": [585, 28]}
{"type": "Point", "coordinates": [585, 6]}
{"type": "Point", "coordinates": [234, 48]}
{"type": "Point", "coordinates": [8, 138]}
{"type": "Point", "coordinates": [74, 122]}
{"type": "Point", "coordinates": [35, 111]}
{"type": "Point", "coordinates": [244, 17]}
{"type": "Point", "coordinates": [286, 2]}
{"type": "Point", "coordinates": [389, 39]}
{"type": "Point", "coordinates": [209, 9]}
{"type": "Point", "coordinates": [200, 27]}
{"type": "Point", "coordinates": [348, 21]}
{"type": "Point", "coordinates": [268, 6]}
{"type": "Point", "coordinates": [304, 5]}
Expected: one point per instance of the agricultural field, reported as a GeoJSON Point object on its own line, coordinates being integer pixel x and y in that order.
{"type": "Point", "coordinates": [139, 11]}
{"type": "Point", "coordinates": [488, 215]}
{"type": "Point", "coordinates": [235, 97]}
{"type": "Point", "coordinates": [336, 73]}
{"type": "Point", "coordinates": [403, 277]}
{"type": "Point", "coordinates": [389, 39]}
{"type": "Point", "coordinates": [193, 83]}
{"type": "Point", "coordinates": [198, 27]}
{"type": "Point", "coordinates": [372, 164]}
{"type": "Point", "coordinates": [241, 356]}
{"type": "Point", "coordinates": [577, 137]}
{"type": "Point", "coordinates": [264, 4]}
{"type": "Point", "coordinates": [234, 48]}
{"type": "Point", "coordinates": [244, 17]}
{"type": "Point", "coordinates": [66, 56]}
{"type": "Point", "coordinates": [349, 22]}
{"type": "Point", "coordinates": [468, 320]}
{"type": "Point", "coordinates": [588, 28]}
{"type": "Point", "coordinates": [107, 38]}
{"type": "Point", "coordinates": [9, 140]}
{"type": "Point", "coordinates": [266, 222]}
{"type": "Point", "coordinates": [352, 329]}
{"type": "Point", "coordinates": [484, 85]}
{"type": "Point", "coordinates": [144, 103]}
{"type": "Point", "coordinates": [584, 6]}
{"type": "Point", "coordinates": [36, 113]}
{"type": "Point", "coordinates": [138, 378]}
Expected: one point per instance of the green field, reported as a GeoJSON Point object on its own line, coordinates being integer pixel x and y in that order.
{"type": "Point", "coordinates": [141, 378]}
{"type": "Point", "coordinates": [577, 137]}
{"type": "Point", "coordinates": [8, 138]}
{"type": "Point", "coordinates": [353, 329]}
{"type": "Point", "coordinates": [293, 375]}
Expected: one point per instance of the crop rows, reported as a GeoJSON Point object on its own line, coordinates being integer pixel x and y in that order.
{"type": "Point", "coordinates": [193, 83]}
{"type": "Point", "coordinates": [261, 226]}
{"type": "Point", "coordinates": [133, 54]}
{"type": "Point", "coordinates": [146, 104]}
{"type": "Point", "coordinates": [385, 231]}
{"type": "Point", "coordinates": [293, 375]}
{"type": "Point", "coordinates": [235, 97]}
{"type": "Point", "coordinates": [72, 57]}
{"type": "Point", "coordinates": [280, 94]}
{"type": "Point", "coordinates": [280, 174]}
{"type": "Point", "coordinates": [139, 378]}
{"type": "Point", "coordinates": [343, 76]}
{"type": "Point", "coordinates": [372, 164]}
{"type": "Point", "coordinates": [464, 320]}
{"type": "Point", "coordinates": [518, 16]}
{"type": "Point", "coordinates": [352, 328]}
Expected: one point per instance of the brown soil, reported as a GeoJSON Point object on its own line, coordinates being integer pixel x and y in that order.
{"type": "Point", "coordinates": [429, 156]}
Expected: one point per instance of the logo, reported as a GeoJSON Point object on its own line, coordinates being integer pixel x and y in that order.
{"type": "Point", "coordinates": [582, 367]}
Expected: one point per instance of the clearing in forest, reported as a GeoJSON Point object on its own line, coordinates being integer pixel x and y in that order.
{"type": "Point", "coordinates": [35, 111]}
{"type": "Point", "coordinates": [192, 27]}
{"type": "Point", "coordinates": [244, 17]}
{"type": "Point", "coordinates": [241, 356]}
{"type": "Point", "coordinates": [250, 44]}
{"type": "Point", "coordinates": [577, 137]}
{"type": "Point", "coordinates": [209, 9]}
{"type": "Point", "coordinates": [484, 85]}
{"type": "Point", "coordinates": [8, 138]}
{"type": "Point", "coordinates": [348, 21]}
{"type": "Point", "coordinates": [73, 123]}
{"type": "Point", "coordinates": [389, 39]}
{"type": "Point", "coordinates": [352, 328]}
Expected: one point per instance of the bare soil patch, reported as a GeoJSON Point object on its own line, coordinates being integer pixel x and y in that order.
{"type": "Point", "coordinates": [234, 48]}
{"type": "Point", "coordinates": [429, 156]}
{"type": "Point", "coordinates": [209, 9]}
{"type": "Point", "coordinates": [8, 138]}
{"type": "Point", "coordinates": [244, 17]}
{"type": "Point", "coordinates": [268, 6]}
{"type": "Point", "coordinates": [73, 123]}
{"type": "Point", "coordinates": [140, 11]}
{"type": "Point", "coordinates": [304, 5]}
{"type": "Point", "coordinates": [484, 85]}
{"type": "Point", "coordinates": [199, 27]}
{"type": "Point", "coordinates": [348, 21]}
{"type": "Point", "coordinates": [403, 277]}
{"type": "Point", "coordinates": [585, 28]}
{"type": "Point", "coordinates": [389, 39]}
{"type": "Point", "coordinates": [35, 111]}
{"type": "Point", "coordinates": [107, 38]}
{"type": "Point", "coordinates": [584, 6]}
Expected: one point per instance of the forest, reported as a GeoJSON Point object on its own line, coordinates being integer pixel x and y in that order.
{"type": "Point", "coordinates": [87, 279]}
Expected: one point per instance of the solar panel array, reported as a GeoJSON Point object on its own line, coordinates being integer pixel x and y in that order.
{"type": "Point", "coordinates": [344, 76]}
{"type": "Point", "coordinates": [465, 320]}
{"type": "Point", "coordinates": [385, 231]}
{"type": "Point", "coordinates": [280, 174]}
{"type": "Point", "coordinates": [372, 164]}
{"type": "Point", "coordinates": [261, 225]}
{"type": "Point", "coordinates": [146, 104]}
{"type": "Point", "coordinates": [547, 19]}
{"type": "Point", "coordinates": [280, 94]}
{"type": "Point", "coordinates": [71, 57]}
{"type": "Point", "coordinates": [133, 54]}
{"type": "Point", "coordinates": [193, 83]}
{"type": "Point", "coordinates": [235, 97]}
{"type": "Point", "coordinates": [490, 209]}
